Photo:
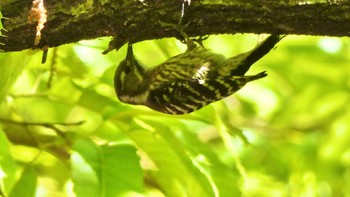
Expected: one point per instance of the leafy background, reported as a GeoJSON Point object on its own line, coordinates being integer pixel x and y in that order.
{"type": "Point", "coordinates": [64, 133]}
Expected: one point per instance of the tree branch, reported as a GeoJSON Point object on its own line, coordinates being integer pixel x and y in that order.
{"type": "Point", "coordinates": [135, 20]}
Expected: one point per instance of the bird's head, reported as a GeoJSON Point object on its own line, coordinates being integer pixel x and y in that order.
{"type": "Point", "coordinates": [129, 76]}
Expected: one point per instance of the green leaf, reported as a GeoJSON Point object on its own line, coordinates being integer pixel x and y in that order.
{"type": "Point", "coordinates": [10, 69]}
{"type": "Point", "coordinates": [26, 185]}
{"type": "Point", "coordinates": [105, 171]}
{"type": "Point", "coordinates": [177, 174]}
{"type": "Point", "coordinates": [7, 164]}
{"type": "Point", "coordinates": [223, 179]}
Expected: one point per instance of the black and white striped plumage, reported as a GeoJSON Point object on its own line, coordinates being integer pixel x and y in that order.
{"type": "Point", "coordinates": [188, 81]}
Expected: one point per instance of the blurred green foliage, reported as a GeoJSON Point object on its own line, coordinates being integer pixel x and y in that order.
{"type": "Point", "coordinates": [285, 135]}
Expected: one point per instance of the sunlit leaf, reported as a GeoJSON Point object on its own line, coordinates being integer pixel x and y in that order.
{"type": "Point", "coordinates": [7, 164]}
{"type": "Point", "coordinates": [105, 170]}
{"type": "Point", "coordinates": [26, 185]}
{"type": "Point", "coordinates": [171, 160]}
{"type": "Point", "coordinates": [10, 69]}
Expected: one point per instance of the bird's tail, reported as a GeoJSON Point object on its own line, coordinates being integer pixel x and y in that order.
{"type": "Point", "coordinates": [250, 57]}
{"type": "Point", "coordinates": [237, 82]}
{"type": "Point", "coordinates": [257, 76]}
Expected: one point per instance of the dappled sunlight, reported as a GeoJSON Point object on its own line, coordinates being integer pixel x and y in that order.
{"type": "Point", "coordinates": [286, 134]}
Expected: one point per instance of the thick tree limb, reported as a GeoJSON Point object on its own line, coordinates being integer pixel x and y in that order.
{"type": "Point", "coordinates": [136, 20]}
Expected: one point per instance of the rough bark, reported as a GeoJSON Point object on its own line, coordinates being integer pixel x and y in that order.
{"type": "Point", "coordinates": [136, 20]}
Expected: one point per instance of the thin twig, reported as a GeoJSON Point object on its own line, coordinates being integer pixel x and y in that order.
{"type": "Point", "coordinates": [44, 124]}
{"type": "Point", "coordinates": [51, 125]}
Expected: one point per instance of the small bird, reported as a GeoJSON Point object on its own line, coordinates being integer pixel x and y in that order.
{"type": "Point", "coordinates": [188, 81]}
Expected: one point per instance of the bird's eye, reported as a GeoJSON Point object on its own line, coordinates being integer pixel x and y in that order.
{"type": "Point", "coordinates": [127, 70]}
